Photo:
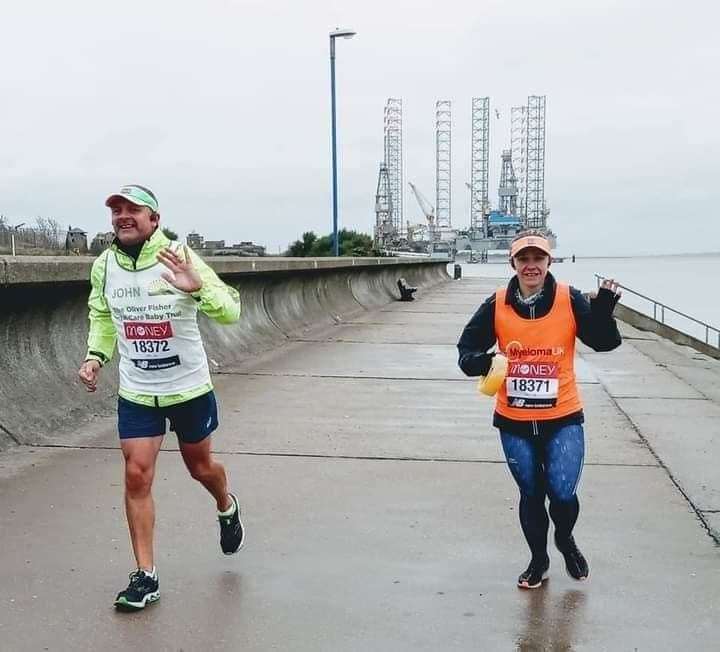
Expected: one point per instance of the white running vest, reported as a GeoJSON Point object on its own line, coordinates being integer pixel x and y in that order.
{"type": "Point", "coordinates": [161, 351]}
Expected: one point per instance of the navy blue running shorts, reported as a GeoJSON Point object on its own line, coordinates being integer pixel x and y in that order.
{"type": "Point", "coordinates": [192, 421]}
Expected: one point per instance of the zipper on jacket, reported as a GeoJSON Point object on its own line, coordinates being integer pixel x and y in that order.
{"type": "Point", "coordinates": [157, 403]}
{"type": "Point", "coordinates": [536, 432]}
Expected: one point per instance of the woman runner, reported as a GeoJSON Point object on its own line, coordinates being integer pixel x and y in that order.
{"type": "Point", "coordinates": [534, 322]}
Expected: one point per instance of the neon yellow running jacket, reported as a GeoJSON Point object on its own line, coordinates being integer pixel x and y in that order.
{"type": "Point", "coordinates": [217, 300]}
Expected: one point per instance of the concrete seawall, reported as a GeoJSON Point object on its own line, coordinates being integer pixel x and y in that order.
{"type": "Point", "coordinates": [43, 326]}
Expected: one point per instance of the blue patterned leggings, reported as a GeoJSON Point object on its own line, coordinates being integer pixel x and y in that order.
{"type": "Point", "coordinates": [546, 465]}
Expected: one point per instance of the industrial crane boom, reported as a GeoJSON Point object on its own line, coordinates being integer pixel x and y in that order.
{"type": "Point", "coordinates": [425, 206]}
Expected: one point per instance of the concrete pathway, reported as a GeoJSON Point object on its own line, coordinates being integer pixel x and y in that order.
{"type": "Point", "coordinates": [380, 514]}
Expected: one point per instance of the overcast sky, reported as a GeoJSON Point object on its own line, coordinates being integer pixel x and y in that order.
{"type": "Point", "coordinates": [222, 108]}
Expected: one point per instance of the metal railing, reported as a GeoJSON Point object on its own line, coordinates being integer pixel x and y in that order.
{"type": "Point", "coordinates": [658, 314]}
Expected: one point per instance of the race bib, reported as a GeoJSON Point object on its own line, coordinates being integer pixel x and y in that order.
{"type": "Point", "coordinates": [149, 345]}
{"type": "Point", "coordinates": [532, 384]}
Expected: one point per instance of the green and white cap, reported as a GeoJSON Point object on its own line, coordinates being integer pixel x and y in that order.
{"type": "Point", "coordinates": [135, 194]}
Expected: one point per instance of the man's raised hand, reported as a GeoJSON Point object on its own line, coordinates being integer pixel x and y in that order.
{"type": "Point", "coordinates": [181, 274]}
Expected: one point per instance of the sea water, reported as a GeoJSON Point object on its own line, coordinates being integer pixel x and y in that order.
{"type": "Point", "coordinates": [683, 282]}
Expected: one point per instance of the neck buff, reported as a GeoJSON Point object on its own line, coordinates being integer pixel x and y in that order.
{"type": "Point", "coordinates": [528, 301]}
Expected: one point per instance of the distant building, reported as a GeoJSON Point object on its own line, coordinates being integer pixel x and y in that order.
{"type": "Point", "coordinates": [101, 242]}
{"type": "Point", "coordinates": [194, 240]}
{"type": "Point", "coordinates": [249, 249]}
{"type": "Point", "coordinates": [219, 248]}
{"type": "Point", "coordinates": [214, 244]}
{"type": "Point", "coordinates": [76, 240]}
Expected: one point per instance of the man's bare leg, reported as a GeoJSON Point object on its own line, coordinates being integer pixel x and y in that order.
{"type": "Point", "coordinates": [209, 473]}
{"type": "Point", "coordinates": [140, 455]}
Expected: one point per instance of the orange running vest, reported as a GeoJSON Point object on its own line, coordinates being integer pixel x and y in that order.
{"type": "Point", "coordinates": [540, 382]}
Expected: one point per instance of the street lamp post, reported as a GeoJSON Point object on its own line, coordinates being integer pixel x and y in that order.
{"type": "Point", "coordinates": [13, 230]}
{"type": "Point", "coordinates": [338, 33]}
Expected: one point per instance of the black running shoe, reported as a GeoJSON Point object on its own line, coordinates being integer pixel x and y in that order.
{"type": "Point", "coordinates": [141, 590]}
{"type": "Point", "coordinates": [232, 532]}
{"type": "Point", "coordinates": [535, 575]}
{"type": "Point", "coordinates": [576, 565]}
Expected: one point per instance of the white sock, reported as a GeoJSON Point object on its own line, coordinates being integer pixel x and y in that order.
{"type": "Point", "coordinates": [230, 510]}
{"type": "Point", "coordinates": [150, 573]}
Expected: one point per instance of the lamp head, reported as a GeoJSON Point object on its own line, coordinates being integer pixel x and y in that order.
{"type": "Point", "coordinates": [344, 33]}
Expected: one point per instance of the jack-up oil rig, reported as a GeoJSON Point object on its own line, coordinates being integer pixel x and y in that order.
{"type": "Point", "coordinates": [521, 192]}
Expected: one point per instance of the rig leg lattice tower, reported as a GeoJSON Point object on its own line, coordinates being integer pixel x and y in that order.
{"type": "Point", "coordinates": [394, 160]}
{"type": "Point", "coordinates": [480, 165]}
{"type": "Point", "coordinates": [507, 192]}
{"type": "Point", "coordinates": [384, 227]}
{"type": "Point", "coordinates": [535, 203]}
{"type": "Point", "coordinates": [519, 148]}
{"type": "Point", "coordinates": [443, 137]}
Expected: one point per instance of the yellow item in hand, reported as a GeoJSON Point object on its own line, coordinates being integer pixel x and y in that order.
{"type": "Point", "coordinates": [490, 384]}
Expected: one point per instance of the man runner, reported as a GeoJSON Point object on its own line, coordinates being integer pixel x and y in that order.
{"type": "Point", "coordinates": [146, 291]}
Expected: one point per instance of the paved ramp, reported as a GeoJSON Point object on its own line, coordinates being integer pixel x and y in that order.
{"type": "Point", "coordinates": [379, 510]}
